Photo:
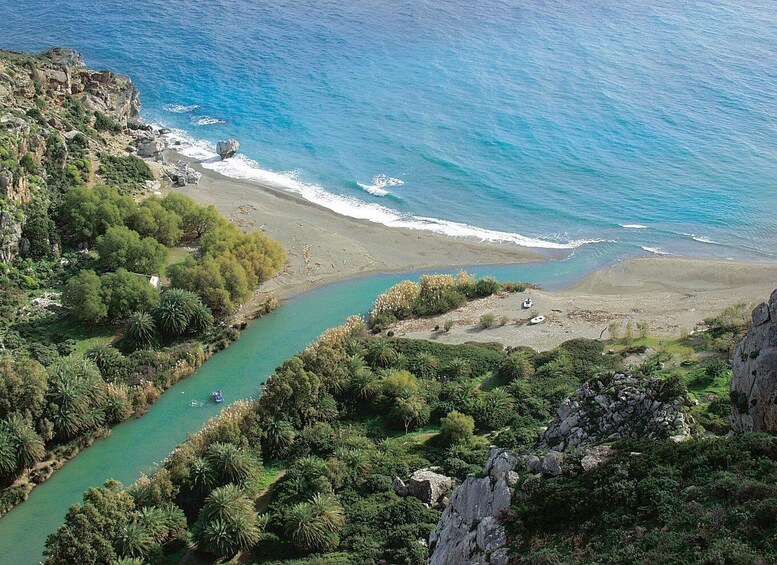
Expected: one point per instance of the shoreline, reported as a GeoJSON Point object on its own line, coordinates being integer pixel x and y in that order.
{"type": "Point", "coordinates": [325, 247]}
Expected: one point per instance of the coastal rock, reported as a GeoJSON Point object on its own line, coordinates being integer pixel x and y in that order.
{"type": "Point", "coordinates": [754, 364]}
{"type": "Point", "coordinates": [150, 147]}
{"type": "Point", "coordinates": [428, 486]}
{"type": "Point", "coordinates": [181, 174]}
{"type": "Point", "coordinates": [611, 408]}
{"type": "Point", "coordinates": [227, 148]}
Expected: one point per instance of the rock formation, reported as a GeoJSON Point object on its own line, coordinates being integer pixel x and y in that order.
{"type": "Point", "coordinates": [469, 530]}
{"type": "Point", "coordinates": [426, 485]}
{"type": "Point", "coordinates": [754, 385]}
{"type": "Point", "coordinates": [617, 407]}
{"type": "Point", "coordinates": [181, 173]}
{"type": "Point", "coordinates": [227, 148]}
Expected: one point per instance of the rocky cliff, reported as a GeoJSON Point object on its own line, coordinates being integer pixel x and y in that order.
{"type": "Point", "coordinates": [470, 530]}
{"type": "Point", "coordinates": [754, 364]}
{"type": "Point", "coordinates": [56, 118]}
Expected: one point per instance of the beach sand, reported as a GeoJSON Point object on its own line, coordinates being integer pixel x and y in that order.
{"type": "Point", "coordinates": [324, 246]}
{"type": "Point", "coordinates": [673, 295]}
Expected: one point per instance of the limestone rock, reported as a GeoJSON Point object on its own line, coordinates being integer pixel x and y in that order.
{"type": "Point", "coordinates": [469, 530]}
{"type": "Point", "coordinates": [227, 148]}
{"type": "Point", "coordinates": [617, 407]}
{"type": "Point", "coordinates": [399, 487]}
{"type": "Point", "coordinates": [150, 147]}
{"type": "Point", "coordinates": [181, 174]}
{"type": "Point", "coordinates": [428, 486]}
{"type": "Point", "coordinates": [551, 464]}
{"type": "Point", "coordinates": [754, 385]}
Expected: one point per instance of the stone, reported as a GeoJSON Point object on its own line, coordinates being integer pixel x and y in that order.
{"type": "Point", "coordinates": [181, 174]}
{"type": "Point", "coordinates": [595, 456]}
{"type": "Point", "coordinates": [551, 463]}
{"type": "Point", "coordinates": [399, 487]}
{"type": "Point", "coordinates": [533, 464]}
{"type": "Point", "coordinates": [428, 486]}
{"type": "Point", "coordinates": [150, 147]}
{"type": "Point", "coordinates": [613, 408]}
{"type": "Point", "coordinates": [227, 148]}
{"type": "Point", "coordinates": [754, 364]}
{"type": "Point", "coordinates": [469, 530]}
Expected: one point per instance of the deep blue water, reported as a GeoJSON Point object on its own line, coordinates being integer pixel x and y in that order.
{"type": "Point", "coordinates": [558, 121]}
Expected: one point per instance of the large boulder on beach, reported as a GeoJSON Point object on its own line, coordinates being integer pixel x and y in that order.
{"type": "Point", "coordinates": [754, 364]}
{"type": "Point", "coordinates": [150, 147]}
{"type": "Point", "coordinates": [227, 148]}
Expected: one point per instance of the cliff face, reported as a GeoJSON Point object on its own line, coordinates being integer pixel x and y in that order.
{"type": "Point", "coordinates": [55, 118]}
{"type": "Point", "coordinates": [754, 364]}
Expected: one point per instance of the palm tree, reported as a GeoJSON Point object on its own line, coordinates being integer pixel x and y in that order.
{"type": "Point", "coordinates": [27, 444]}
{"type": "Point", "coordinates": [380, 353]}
{"type": "Point", "coordinates": [514, 367]}
{"type": "Point", "coordinates": [134, 541]}
{"type": "Point", "coordinates": [458, 369]}
{"type": "Point", "coordinates": [109, 360]}
{"type": "Point", "coordinates": [425, 365]}
{"type": "Point", "coordinates": [228, 522]}
{"type": "Point", "coordinates": [279, 435]}
{"type": "Point", "coordinates": [175, 311]}
{"type": "Point", "coordinates": [364, 384]}
{"type": "Point", "coordinates": [201, 318]}
{"type": "Point", "coordinates": [201, 475]}
{"type": "Point", "coordinates": [154, 522]}
{"type": "Point", "coordinates": [231, 463]}
{"type": "Point", "coordinates": [8, 460]}
{"type": "Point", "coordinates": [141, 332]}
{"type": "Point", "coordinates": [315, 525]}
{"type": "Point", "coordinates": [76, 396]}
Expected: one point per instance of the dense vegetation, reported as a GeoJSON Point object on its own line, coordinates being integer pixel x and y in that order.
{"type": "Point", "coordinates": [341, 419]}
{"type": "Point", "coordinates": [708, 501]}
{"type": "Point", "coordinates": [434, 294]}
{"type": "Point", "coordinates": [86, 340]}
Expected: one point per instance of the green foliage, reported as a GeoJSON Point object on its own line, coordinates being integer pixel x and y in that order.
{"type": "Point", "coordinates": [127, 172]}
{"type": "Point", "coordinates": [123, 247]}
{"type": "Point", "coordinates": [181, 311]}
{"type": "Point", "coordinates": [75, 397]}
{"type": "Point", "coordinates": [699, 501]}
{"type": "Point", "coordinates": [228, 522]}
{"type": "Point", "coordinates": [456, 428]}
{"type": "Point", "coordinates": [315, 526]}
{"type": "Point", "coordinates": [124, 293]}
{"type": "Point", "coordinates": [487, 321]}
{"type": "Point", "coordinates": [83, 298]}
{"type": "Point", "coordinates": [141, 331]}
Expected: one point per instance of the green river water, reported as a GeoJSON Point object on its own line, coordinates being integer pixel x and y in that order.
{"type": "Point", "coordinates": [136, 446]}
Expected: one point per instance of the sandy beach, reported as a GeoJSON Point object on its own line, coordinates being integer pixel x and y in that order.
{"type": "Point", "coordinates": [324, 246]}
{"type": "Point", "coordinates": [673, 295]}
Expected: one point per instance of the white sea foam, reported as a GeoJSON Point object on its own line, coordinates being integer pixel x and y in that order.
{"type": "Point", "coordinates": [379, 184]}
{"type": "Point", "coordinates": [654, 250]}
{"type": "Point", "coordinates": [207, 121]}
{"type": "Point", "coordinates": [241, 167]}
{"type": "Point", "coordinates": [180, 108]}
{"type": "Point", "coordinates": [633, 226]}
{"type": "Point", "coordinates": [701, 238]}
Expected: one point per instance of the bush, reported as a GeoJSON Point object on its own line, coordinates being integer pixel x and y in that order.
{"type": "Point", "coordinates": [127, 172]}
{"type": "Point", "coordinates": [456, 428]}
{"type": "Point", "coordinates": [487, 321]}
{"type": "Point", "coordinates": [487, 286]}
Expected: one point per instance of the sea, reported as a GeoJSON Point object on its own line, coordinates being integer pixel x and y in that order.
{"type": "Point", "coordinates": [617, 129]}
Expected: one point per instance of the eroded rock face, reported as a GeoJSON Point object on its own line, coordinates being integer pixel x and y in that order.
{"type": "Point", "coordinates": [618, 407]}
{"type": "Point", "coordinates": [754, 385]}
{"type": "Point", "coordinates": [428, 486]}
{"type": "Point", "coordinates": [227, 148]}
{"type": "Point", "coordinates": [469, 530]}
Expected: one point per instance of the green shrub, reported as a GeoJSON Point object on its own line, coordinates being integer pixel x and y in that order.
{"type": "Point", "coordinates": [127, 172]}
{"type": "Point", "coordinates": [487, 321]}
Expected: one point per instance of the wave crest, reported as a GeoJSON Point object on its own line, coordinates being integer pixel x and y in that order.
{"type": "Point", "coordinates": [180, 108]}
{"type": "Point", "coordinates": [379, 184]}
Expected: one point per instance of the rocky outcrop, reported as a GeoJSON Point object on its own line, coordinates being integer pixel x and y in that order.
{"type": "Point", "coordinates": [754, 364]}
{"type": "Point", "coordinates": [181, 173]}
{"type": "Point", "coordinates": [426, 485]}
{"type": "Point", "coordinates": [617, 407]}
{"type": "Point", "coordinates": [470, 530]}
{"type": "Point", "coordinates": [227, 148]}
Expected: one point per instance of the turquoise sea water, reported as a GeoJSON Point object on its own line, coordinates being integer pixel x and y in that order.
{"type": "Point", "coordinates": [556, 122]}
{"type": "Point", "coordinates": [649, 125]}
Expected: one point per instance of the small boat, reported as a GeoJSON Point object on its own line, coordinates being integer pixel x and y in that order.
{"type": "Point", "coordinates": [537, 320]}
{"type": "Point", "coordinates": [527, 304]}
{"type": "Point", "coordinates": [217, 396]}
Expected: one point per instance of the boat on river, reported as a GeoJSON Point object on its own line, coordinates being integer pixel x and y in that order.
{"type": "Point", "coordinates": [217, 397]}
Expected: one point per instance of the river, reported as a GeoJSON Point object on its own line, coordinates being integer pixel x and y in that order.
{"type": "Point", "coordinates": [138, 445]}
